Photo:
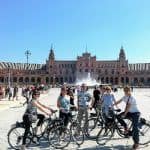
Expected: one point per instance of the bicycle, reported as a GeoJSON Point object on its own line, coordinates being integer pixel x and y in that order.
{"type": "Point", "coordinates": [61, 136]}
{"type": "Point", "coordinates": [108, 130]}
{"type": "Point", "coordinates": [16, 133]}
{"type": "Point", "coordinates": [93, 124]}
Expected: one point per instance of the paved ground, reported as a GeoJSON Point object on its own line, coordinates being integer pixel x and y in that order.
{"type": "Point", "coordinates": [14, 112]}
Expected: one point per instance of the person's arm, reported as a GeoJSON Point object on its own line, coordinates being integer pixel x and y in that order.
{"type": "Point", "coordinates": [45, 106]}
{"type": "Point", "coordinates": [92, 99]}
{"type": "Point", "coordinates": [40, 108]}
{"type": "Point", "coordinates": [117, 102]}
{"type": "Point", "coordinates": [58, 103]}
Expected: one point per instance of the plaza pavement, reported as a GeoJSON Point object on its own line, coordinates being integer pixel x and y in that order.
{"type": "Point", "coordinates": [14, 113]}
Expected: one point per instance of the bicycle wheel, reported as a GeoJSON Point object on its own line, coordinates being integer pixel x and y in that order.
{"type": "Point", "coordinates": [93, 127]}
{"type": "Point", "coordinates": [59, 137]}
{"type": "Point", "coordinates": [144, 134]}
{"type": "Point", "coordinates": [77, 133]}
{"type": "Point", "coordinates": [121, 130]}
{"type": "Point", "coordinates": [104, 135]}
{"type": "Point", "coordinates": [15, 137]}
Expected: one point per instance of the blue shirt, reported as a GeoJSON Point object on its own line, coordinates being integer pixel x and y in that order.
{"type": "Point", "coordinates": [108, 100]}
{"type": "Point", "coordinates": [64, 103]}
{"type": "Point", "coordinates": [83, 99]}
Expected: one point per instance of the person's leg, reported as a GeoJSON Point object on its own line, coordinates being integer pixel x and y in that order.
{"type": "Point", "coordinates": [121, 121]}
{"type": "Point", "coordinates": [86, 119]}
{"type": "Point", "coordinates": [80, 116]}
{"type": "Point", "coordinates": [27, 124]}
{"type": "Point", "coordinates": [41, 119]}
{"type": "Point", "coordinates": [135, 131]}
{"type": "Point", "coordinates": [66, 118]}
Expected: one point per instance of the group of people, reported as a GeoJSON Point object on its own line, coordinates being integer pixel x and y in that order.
{"type": "Point", "coordinates": [102, 98]}
{"type": "Point", "coordinates": [9, 92]}
{"type": "Point", "coordinates": [105, 99]}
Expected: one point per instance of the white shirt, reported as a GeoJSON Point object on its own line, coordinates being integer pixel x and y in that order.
{"type": "Point", "coordinates": [132, 101]}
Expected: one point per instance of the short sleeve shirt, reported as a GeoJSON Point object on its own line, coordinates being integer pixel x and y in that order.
{"type": "Point", "coordinates": [132, 101]}
{"type": "Point", "coordinates": [84, 99]}
{"type": "Point", "coordinates": [108, 100]}
{"type": "Point", "coordinates": [31, 109]}
{"type": "Point", "coordinates": [64, 103]}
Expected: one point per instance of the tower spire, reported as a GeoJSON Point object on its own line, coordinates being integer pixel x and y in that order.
{"type": "Point", "coordinates": [51, 54]}
{"type": "Point", "coordinates": [86, 49]}
{"type": "Point", "coordinates": [122, 53]}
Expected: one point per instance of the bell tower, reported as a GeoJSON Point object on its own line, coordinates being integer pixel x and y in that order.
{"type": "Point", "coordinates": [51, 61]}
{"type": "Point", "coordinates": [122, 56]}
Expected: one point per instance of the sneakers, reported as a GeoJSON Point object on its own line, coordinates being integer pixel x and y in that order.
{"type": "Point", "coordinates": [135, 146]}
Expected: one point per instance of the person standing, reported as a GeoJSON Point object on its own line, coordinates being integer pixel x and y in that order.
{"type": "Point", "coordinates": [96, 100]}
{"type": "Point", "coordinates": [63, 103]}
{"type": "Point", "coordinates": [83, 101]}
{"type": "Point", "coordinates": [15, 92]}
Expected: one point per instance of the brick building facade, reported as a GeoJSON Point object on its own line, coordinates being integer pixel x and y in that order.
{"type": "Point", "coordinates": [117, 71]}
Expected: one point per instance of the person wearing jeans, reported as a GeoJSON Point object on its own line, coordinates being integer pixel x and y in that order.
{"type": "Point", "coordinates": [131, 111]}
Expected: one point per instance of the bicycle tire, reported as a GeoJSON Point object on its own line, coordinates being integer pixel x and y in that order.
{"type": "Point", "coordinates": [18, 138]}
{"type": "Point", "coordinates": [144, 134]}
{"type": "Point", "coordinates": [56, 135]}
{"type": "Point", "coordinates": [77, 133]}
{"type": "Point", "coordinates": [94, 126]}
{"type": "Point", "coordinates": [104, 135]}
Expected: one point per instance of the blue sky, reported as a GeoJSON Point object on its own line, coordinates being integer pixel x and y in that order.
{"type": "Point", "coordinates": [102, 25]}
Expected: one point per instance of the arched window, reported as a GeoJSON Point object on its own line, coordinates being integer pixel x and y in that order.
{"type": "Point", "coordinates": [122, 80]}
{"type": "Point", "coordinates": [102, 80]}
{"type": "Point", "coordinates": [14, 79]}
{"type": "Point", "coordinates": [47, 79]}
{"type": "Point", "coordinates": [21, 79]}
{"type": "Point", "coordinates": [135, 81]}
{"type": "Point", "coordinates": [38, 80]}
{"type": "Point", "coordinates": [116, 80]}
{"type": "Point", "coordinates": [107, 80]}
{"type": "Point", "coordinates": [148, 81]}
{"type": "Point", "coordinates": [111, 80]}
{"type": "Point", "coordinates": [56, 80]}
{"type": "Point", "coordinates": [2, 79]}
{"type": "Point", "coordinates": [61, 80]}
{"type": "Point", "coordinates": [32, 79]}
{"type": "Point", "coordinates": [142, 80]}
{"type": "Point", "coordinates": [27, 79]}
{"type": "Point", "coordinates": [127, 80]}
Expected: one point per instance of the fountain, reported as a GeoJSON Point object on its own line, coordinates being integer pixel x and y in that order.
{"type": "Point", "coordinates": [88, 80]}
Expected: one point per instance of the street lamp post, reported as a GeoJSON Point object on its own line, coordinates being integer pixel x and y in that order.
{"type": "Point", "coordinates": [27, 53]}
{"type": "Point", "coordinates": [9, 76]}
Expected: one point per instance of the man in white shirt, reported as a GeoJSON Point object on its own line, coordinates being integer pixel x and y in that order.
{"type": "Point", "coordinates": [131, 111]}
